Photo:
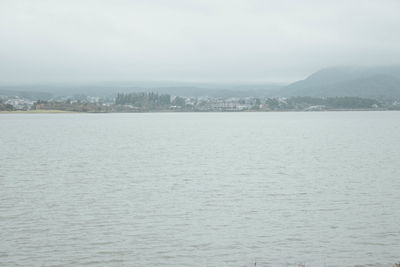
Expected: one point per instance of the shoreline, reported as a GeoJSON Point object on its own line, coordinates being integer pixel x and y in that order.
{"type": "Point", "coordinates": [172, 111]}
{"type": "Point", "coordinates": [39, 111]}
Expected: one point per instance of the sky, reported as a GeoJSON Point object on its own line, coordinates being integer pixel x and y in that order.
{"type": "Point", "coordinates": [189, 40]}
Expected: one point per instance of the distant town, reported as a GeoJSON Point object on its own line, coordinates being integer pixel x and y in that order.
{"type": "Point", "coordinates": [154, 102]}
{"type": "Point", "coordinates": [336, 88]}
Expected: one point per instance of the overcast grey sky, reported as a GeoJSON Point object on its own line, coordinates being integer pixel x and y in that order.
{"type": "Point", "coordinates": [187, 40]}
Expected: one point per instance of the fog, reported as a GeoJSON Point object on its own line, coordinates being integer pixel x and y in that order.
{"type": "Point", "coordinates": [205, 41]}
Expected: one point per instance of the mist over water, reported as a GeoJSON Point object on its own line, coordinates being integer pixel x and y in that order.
{"type": "Point", "coordinates": [184, 188]}
{"type": "Point", "coordinates": [200, 189]}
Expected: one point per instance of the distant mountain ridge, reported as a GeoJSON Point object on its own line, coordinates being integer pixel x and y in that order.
{"type": "Point", "coordinates": [34, 95]}
{"type": "Point", "coordinates": [382, 82]}
{"type": "Point", "coordinates": [112, 88]}
{"type": "Point", "coordinates": [367, 82]}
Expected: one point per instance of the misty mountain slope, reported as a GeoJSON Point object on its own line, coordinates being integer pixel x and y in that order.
{"type": "Point", "coordinates": [358, 82]}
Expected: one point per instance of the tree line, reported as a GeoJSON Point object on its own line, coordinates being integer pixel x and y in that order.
{"type": "Point", "coordinates": [149, 101]}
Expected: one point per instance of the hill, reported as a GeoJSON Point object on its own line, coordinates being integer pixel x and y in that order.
{"type": "Point", "coordinates": [367, 82]}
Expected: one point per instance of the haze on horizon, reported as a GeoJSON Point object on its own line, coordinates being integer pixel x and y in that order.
{"type": "Point", "coordinates": [184, 40]}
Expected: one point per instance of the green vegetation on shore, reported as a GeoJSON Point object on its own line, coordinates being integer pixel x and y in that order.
{"type": "Point", "coordinates": [154, 102]}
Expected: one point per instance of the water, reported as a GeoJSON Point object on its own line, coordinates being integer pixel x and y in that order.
{"type": "Point", "coordinates": [200, 189]}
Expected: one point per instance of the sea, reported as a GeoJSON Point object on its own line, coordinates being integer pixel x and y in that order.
{"type": "Point", "coordinates": [200, 189]}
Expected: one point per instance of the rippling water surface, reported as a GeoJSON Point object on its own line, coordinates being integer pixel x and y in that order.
{"type": "Point", "coordinates": [200, 189]}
